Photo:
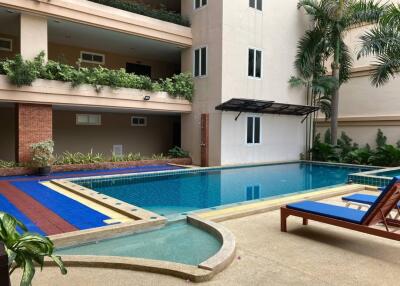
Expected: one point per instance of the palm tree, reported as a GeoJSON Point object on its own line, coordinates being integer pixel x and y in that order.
{"type": "Point", "coordinates": [383, 41]}
{"type": "Point", "coordinates": [332, 19]}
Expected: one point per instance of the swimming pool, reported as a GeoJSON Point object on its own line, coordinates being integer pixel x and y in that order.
{"type": "Point", "coordinates": [180, 192]}
{"type": "Point", "coordinates": [177, 242]}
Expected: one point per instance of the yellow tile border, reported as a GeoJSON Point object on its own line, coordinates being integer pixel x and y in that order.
{"type": "Point", "coordinates": [115, 217]}
{"type": "Point", "coordinates": [273, 204]}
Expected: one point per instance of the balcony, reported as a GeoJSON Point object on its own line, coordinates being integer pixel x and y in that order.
{"type": "Point", "coordinates": [105, 17]}
{"type": "Point", "coordinates": [61, 93]}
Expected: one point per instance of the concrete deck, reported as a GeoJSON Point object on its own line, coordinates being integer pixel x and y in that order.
{"type": "Point", "coordinates": [314, 255]}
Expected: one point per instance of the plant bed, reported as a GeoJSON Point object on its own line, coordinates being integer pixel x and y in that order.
{"type": "Point", "coordinates": [20, 171]}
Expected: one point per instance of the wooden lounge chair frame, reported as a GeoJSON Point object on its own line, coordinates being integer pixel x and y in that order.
{"type": "Point", "coordinates": [378, 213]}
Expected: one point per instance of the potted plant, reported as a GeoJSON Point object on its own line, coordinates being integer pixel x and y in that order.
{"type": "Point", "coordinates": [42, 156]}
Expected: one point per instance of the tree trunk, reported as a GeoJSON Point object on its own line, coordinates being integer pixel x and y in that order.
{"type": "Point", "coordinates": [335, 95]}
{"type": "Point", "coordinates": [335, 108]}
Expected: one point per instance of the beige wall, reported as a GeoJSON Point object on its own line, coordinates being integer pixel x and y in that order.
{"type": "Point", "coordinates": [7, 131]}
{"type": "Point", "coordinates": [229, 29]}
{"type": "Point", "coordinates": [207, 30]}
{"type": "Point", "coordinates": [114, 130]}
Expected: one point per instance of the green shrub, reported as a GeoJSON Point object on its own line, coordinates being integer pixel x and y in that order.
{"type": "Point", "coordinates": [146, 10]}
{"type": "Point", "coordinates": [380, 139]}
{"type": "Point", "coordinates": [20, 72]}
{"type": "Point", "coordinates": [127, 157]}
{"type": "Point", "coordinates": [327, 136]}
{"type": "Point", "coordinates": [387, 155]}
{"type": "Point", "coordinates": [323, 151]}
{"type": "Point", "coordinates": [7, 164]}
{"type": "Point", "coordinates": [361, 156]}
{"type": "Point", "coordinates": [42, 153]}
{"type": "Point", "coordinates": [345, 145]}
{"type": "Point", "coordinates": [178, 152]}
{"type": "Point", "coordinates": [68, 158]}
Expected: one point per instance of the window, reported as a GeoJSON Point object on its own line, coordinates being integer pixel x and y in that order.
{"type": "Point", "coordinates": [88, 119]}
{"type": "Point", "coordinates": [5, 44]}
{"type": "Point", "coordinates": [255, 63]}
{"type": "Point", "coordinates": [256, 4]}
{"type": "Point", "coordinates": [139, 121]}
{"type": "Point", "coordinates": [200, 62]}
{"type": "Point", "coordinates": [92, 58]}
{"type": "Point", "coordinates": [199, 3]}
{"type": "Point", "coordinates": [253, 130]}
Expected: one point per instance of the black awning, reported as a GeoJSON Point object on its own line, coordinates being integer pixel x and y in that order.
{"type": "Point", "coordinates": [267, 107]}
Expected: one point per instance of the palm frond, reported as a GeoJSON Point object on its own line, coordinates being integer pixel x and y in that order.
{"type": "Point", "coordinates": [346, 63]}
{"type": "Point", "coordinates": [360, 12]}
{"type": "Point", "coordinates": [386, 67]}
{"type": "Point", "coordinates": [379, 40]}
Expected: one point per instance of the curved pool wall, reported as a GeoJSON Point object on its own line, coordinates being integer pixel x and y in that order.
{"type": "Point", "coordinates": [176, 242]}
{"type": "Point", "coordinates": [194, 249]}
{"type": "Point", "coordinates": [180, 192]}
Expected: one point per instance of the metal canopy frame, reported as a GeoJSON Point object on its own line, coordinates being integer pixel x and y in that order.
{"type": "Point", "coordinates": [266, 107]}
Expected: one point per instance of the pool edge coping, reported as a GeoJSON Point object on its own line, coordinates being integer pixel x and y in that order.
{"type": "Point", "coordinates": [204, 271]}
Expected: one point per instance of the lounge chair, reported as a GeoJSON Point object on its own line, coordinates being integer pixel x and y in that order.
{"type": "Point", "coordinates": [358, 220]}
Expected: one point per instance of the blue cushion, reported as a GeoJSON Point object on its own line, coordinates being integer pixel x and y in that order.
{"type": "Point", "coordinates": [331, 211]}
{"type": "Point", "coordinates": [361, 198]}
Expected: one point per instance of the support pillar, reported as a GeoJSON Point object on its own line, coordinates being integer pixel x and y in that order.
{"type": "Point", "coordinates": [34, 123]}
{"type": "Point", "coordinates": [33, 36]}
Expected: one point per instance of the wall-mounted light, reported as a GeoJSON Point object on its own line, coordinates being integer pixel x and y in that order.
{"type": "Point", "coordinates": [146, 98]}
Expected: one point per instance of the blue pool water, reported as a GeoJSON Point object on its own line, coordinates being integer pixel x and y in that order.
{"type": "Point", "coordinates": [178, 242]}
{"type": "Point", "coordinates": [173, 194]}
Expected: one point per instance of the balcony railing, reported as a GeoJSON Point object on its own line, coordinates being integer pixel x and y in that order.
{"type": "Point", "coordinates": [146, 10]}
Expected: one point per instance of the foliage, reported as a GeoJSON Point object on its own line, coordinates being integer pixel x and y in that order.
{"type": "Point", "coordinates": [156, 157]}
{"type": "Point", "coordinates": [21, 72]}
{"type": "Point", "coordinates": [24, 248]}
{"type": "Point", "coordinates": [359, 156]}
{"type": "Point", "coordinates": [68, 158]}
{"type": "Point", "coordinates": [380, 139]}
{"type": "Point", "coordinates": [345, 145]}
{"type": "Point", "coordinates": [348, 152]}
{"type": "Point", "coordinates": [146, 10]}
{"type": "Point", "coordinates": [324, 42]}
{"type": "Point", "coordinates": [178, 152]}
{"type": "Point", "coordinates": [7, 164]}
{"type": "Point", "coordinates": [323, 151]}
{"type": "Point", "coordinates": [327, 136]}
{"type": "Point", "coordinates": [42, 153]}
{"type": "Point", "coordinates": [383, 42]}
{"type": "Point", "coordinates": [126, 157]}
{"type": "Point", "coordinates": [180, 85]}
{"type": "Point", "coordinates": [387, 155]}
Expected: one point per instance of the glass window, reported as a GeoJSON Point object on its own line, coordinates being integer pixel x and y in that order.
{"type": "Point", "coordinates": [88, 119]}
{"type": "Point", "coordinates": [256, 4]}
{"type": "Point", "coordinates": [199, 3]}
{"type": "Point", "coordinates": [255, 63]}
{"type": "Point", "coordinates": [200, 62]}
{"type": "Point", "coordinates": [253, 132]}
{"type": "Point", "coordinates": [251, 62]}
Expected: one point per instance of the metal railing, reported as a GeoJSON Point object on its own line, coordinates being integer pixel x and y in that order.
{"type": "Point", "coordinates": [4, 275]}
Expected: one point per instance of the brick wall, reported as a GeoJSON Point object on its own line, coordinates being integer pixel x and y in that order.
{"type": "Point", "coordinates": [34, 124]}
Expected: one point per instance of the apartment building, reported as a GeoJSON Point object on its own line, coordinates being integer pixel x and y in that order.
{"type": "Point", "coordinates": [243, 109]}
